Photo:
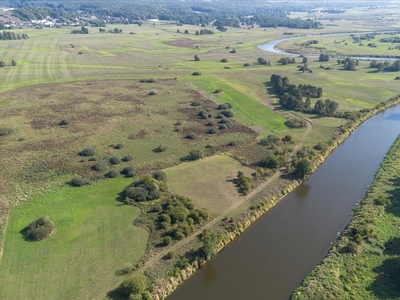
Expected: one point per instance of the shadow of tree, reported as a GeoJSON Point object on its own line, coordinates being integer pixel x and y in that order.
{"type": "Point", "coordinates": [387, 283]}
{"type": "Point", "coordinates": [394, 196]}
{"type": "Point", "coordinates": [114, 295]}
{"type": "Point", "coordinates": [392, 246]}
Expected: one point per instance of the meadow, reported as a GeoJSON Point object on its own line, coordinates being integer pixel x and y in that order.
{"type": "Point", "coordinates": [94, 82]}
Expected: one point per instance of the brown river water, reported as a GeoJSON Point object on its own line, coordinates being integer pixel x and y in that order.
{"type": "Point", "coordinates": [270, 259]}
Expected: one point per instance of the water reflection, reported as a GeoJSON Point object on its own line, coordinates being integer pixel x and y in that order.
{"type": "Point", "coordinates": [394, 116]}
{"type": "Point", "coordinates": [302, 191]}
{"type": "Point", "coordinates": [209, 273]}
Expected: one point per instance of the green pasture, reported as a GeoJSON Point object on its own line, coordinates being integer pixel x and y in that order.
{"type": "Point", "coordinates": [209, 182]}
{"type": "Point", "coordinates": [95, 239]}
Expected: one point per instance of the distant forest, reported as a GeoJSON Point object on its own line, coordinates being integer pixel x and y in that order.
{"type": "Point", "coordinates": [225, 13]}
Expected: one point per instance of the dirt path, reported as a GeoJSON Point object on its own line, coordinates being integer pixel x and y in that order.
{"type": "Point", "coordinates": [194, 235]}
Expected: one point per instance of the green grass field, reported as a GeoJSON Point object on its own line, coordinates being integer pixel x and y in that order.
{"type": "Point", "coordinates": [95, 238]}
{"type": "Point", "coordinates": [208, 182]}
{"type": "Point", "coordinates": [371, 269]}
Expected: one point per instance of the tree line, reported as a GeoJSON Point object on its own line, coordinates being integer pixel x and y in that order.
{"type": "Point", "coordinates": [9, 35]}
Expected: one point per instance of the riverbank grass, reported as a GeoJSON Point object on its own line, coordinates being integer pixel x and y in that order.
{"type": "Point", "coordinates": [365, 261]}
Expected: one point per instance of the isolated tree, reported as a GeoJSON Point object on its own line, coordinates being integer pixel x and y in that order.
{"type": "Point", "coordinates": [305, 60]}
{"type": "Point", "coordinates": [196, 58]}
{"type": "Point", "coordinates": [2, 64]}
{"type": "Point", "coordinates": [303, 168]}
{"type": "Point", "coordinates": [134, 285]}
{"type": "Point", "coordinates": [13, 63]}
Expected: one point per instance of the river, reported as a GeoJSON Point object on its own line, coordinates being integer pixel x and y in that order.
{"type": "Point", "coordinates": [270, 259]}
{"type": "Point", "coordinates": [271, 46]}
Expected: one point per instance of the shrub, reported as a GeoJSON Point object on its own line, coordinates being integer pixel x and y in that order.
{"type": "Point", "coordinates": [161, 148]}
{"type": "Point", "coordinates": [138, 194]}
{"type": "Point", "coordinates": [113, 173]}
{"type": "Point", "coordinates": [195, 154]}
{"type": "Point", "coordinates": [160, 175]}
{"type": "Point", "coordinates": [167, 241]}
{"type": "Point", "coordinates": [101, 166]}
{"type": "Point", "coordinates": [87, 152]}
{"type": "Point", "coordinates": [231, 144]}
{"type": "Point", "coordinates": [191, 136]}
{"type": "Point", "coordinates": [40, 229]}
{"type": "Point", "coordinates": [224, 60]}
{"type": "Point", "coordinates": [212, 130]}
{"type": "Point", "coordinates": [170, 255]}
{"type": "Point", "coordinates": [78, 181]}
{"type": "Point", "coordinates": [114, 160]}
{"type": "Point", "coordinates": [119, 146]}
{"type": "Point", "coordinates": [157, 208]}
{"type": "Point", "coordinates": [211, 123]}
{"type": "Point", "coordinates": [217, 91]}
{"type": "Point", "coordinates": [222, 127]}
{"type": "Point", "coordinates": [246, 65]}
{"type": "Point", "coordinates": [227, 113]}
{"type": "Point", "coordinates": [225, 105]}
{"type": "Point", "coordinates": [133, 285]}
{"type": "Point", "coordinates": [194, 103]}
{"type": "Point", "coordinates": [127, 158]}
{"type": "Point", "coordinates": [152, 93]}
{"type": "Point", "coordinates": [64, 122]}
{"type": "Point", "coordinates": [220, 116]}
{"type": "Point", "coordinates": [196, 73]}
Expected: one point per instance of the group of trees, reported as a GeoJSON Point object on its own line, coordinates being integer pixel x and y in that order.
{"type": "Point", "coordinates": [348, 63]}
{"type": "Point", "coordinates": [3, 64]}
{"type": "Point", "coordinates": [385, 66]}
{"type": "Point", "coordinates": [115, 30]}
{"type": "Point", "coordinates": [286, 60]}
{"type": "Point", "coordinates": [9, 35]}
{"type": "Point", "coordinates": [243, 182]}
{"type": "Point", "coordinates": [149, 187]}
{"type": "Point", "coordinates": [263, 61]}
{"type": "Point", "coordinates": [40, 229]}
{"type": "Point", "coordinates": [291, 97]}
{"type": "Point", "coordinates": [83, 30]}
{"type": "Point", "coordinates": [204, 31]}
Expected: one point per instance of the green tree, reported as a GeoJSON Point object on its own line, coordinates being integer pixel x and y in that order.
{"type": "Point", "coordinates": [134, 285]}
{"type": "Point", "coordinates": [303, 168]}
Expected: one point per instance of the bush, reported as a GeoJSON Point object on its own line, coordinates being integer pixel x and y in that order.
{"type": "Point", "coordinates": [157, 208]}
{"type": "Point", "coordinates": [133, 285]}
{"type": "Point", "coordinates": [231, 144]}
{"type": "Point", "coordinates": [224, 60]}
{"type": "Point", "coordinates": [87, 152]}
{"type": "Point", "coordinates": [127, 158]}
{"type": "Point", "coordinates": [195, 154]}
{"type": "Point", "coordinates": [212, 130]}
{"type": "Point", "coordinates": [222, 127]}
{"type": "Point", "coordinates": [113, 173]}
{"type": "Point", "coordinates": [160, 175]}
{"type": "Point", "coordinates": [381, 200]}
{"type": "Point", "coordinates": [119, 146]}
{"type": "Point", "coordinates": [115, 160]}
{"type": "Point", "coordinates": [220, 116]}
{"type": "Point", "coordinates": [101, 166]}
{"type": "Point", "coordinates": [227, 113]}
{"type": "Point", "coordinates": [170, 255]}
{"type": "Point", "coordinates": [225, 105]}
{"type": "Point", "coordinates": [64, 122]}
{"type": "Point", "coordinates": [196, 73]}
{"type": "Point", "coordinates": [246, 65]}
{"type": "Point", "coordinates": [194, 103]}
{"type": "Point", "coordinates": [211, 123]}
{"type": "Point", "coordinates": [191, 136]}
{"type": "Point", "coordinates": [218, 91]}
{"type": "Point", "coordinates": [138, 194]}
{"type": "Point", "coordinates": [167, 241]}
{"type": "Point", "coordinates": [40, 229]}
{"type": "Point", "coordinates": [78, 181]}
{"type": "Point", "coordinates": [161, 148]}
{"type": "Point", "coordinates": [152, 93]}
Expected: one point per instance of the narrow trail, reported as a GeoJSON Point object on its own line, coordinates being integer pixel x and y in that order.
{"type": "Point", "coordinates": [160, 255]}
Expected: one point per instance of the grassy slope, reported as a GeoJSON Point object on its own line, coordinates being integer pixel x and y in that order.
{"type": "Point", "coordinates": [208, 182]}
{"type": "Point", "coordinates": [374, 272]}
{"type": "Point", "coordinates": [95, 238]}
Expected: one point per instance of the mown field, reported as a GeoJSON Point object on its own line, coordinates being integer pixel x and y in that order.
{"type": "Point", "coordinates": [364, 262]}
{"type": "Point", "coordinates": [100, 94]}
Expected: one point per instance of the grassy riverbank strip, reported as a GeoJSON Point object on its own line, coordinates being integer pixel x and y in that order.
{"type": "Point", "coordinates": [364, 263]}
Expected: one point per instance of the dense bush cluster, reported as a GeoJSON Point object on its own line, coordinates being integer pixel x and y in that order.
{"type": "Point", "coordinates": [179, 217]}
{"type": "Point", "coordinates": [133, 287]}
{"type": "Point", "coordinates": [40, 229]}
{"type": "Point", "coordinates": [244, 182]}
{"type": "Point", "coordinates": [147, 188]}
{"type": "Point", "coordinates": [295, 123]}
